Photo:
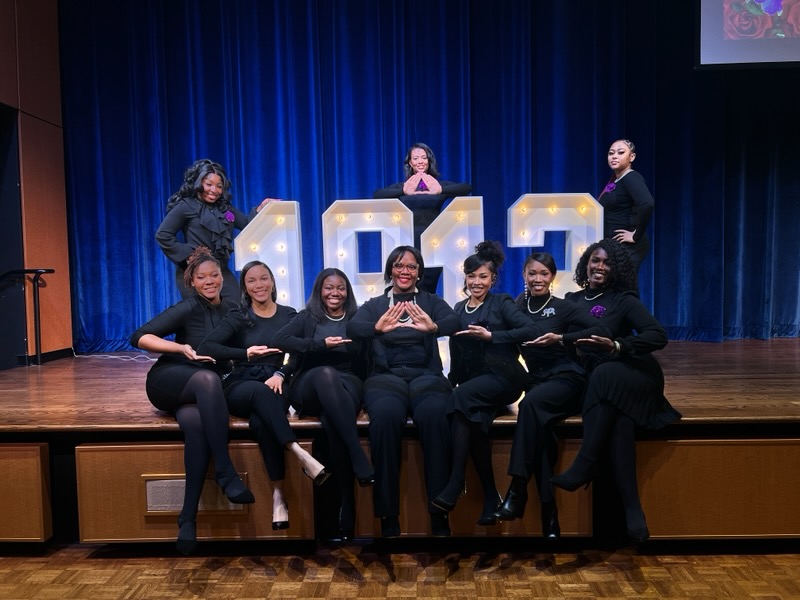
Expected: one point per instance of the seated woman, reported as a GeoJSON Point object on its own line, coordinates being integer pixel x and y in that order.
{"type": "Point", "coordinates": [554, 390]}
{"type": "Point", "coordinates": [254, 387]}
{"type": "Point", "coordinates": [626, 384]}
{"type": "Point", "coordinates": [187, 384]}
{"type": "Point", "coordinates": [201, 211]}
{"type": "Point", "coordinates": [405, 378]}
{"type": "Point", "coordinates": [486, 373]}
{"type": "Point", "coordinates": [424, 193]}
{"type": "Point", "coordinates": [328, 381]}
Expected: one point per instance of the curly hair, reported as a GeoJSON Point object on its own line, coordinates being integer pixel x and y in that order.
{"type": "Point", "coordinates": [315, 306]}
{"type": "Point", "coordinates": [193, 183]}
{"type": "Point", "coordinates": [246, 300]}
{"type": "Point", "coordinates": [622, 276]}
{"type": "Point", "coordinates": [200, 255]}
{"type": "Point", "coordinates": [432, 170]}
{"type": "Point", "coordinates": [487, 253]}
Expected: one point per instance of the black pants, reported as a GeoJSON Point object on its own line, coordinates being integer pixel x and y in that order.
{"type": "Point", "coordinates": [389, 400]}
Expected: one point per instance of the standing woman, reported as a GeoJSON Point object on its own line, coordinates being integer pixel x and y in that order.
{"type": "Point", "coordinates": [187, 384]}
{"type": "Point", "coordinates": [627, 203]}
{"type": "Point", "coordinates": [626, 384]}
{"type": "Point", "coordinates": [554, 390]}
{"type": "Point", "coordinates": [406, 379]}
{"type": "Point", "coordinates": [328, 381]}
{"type": "Point", "coordinates": [202, 212]}
{"type": "Point", "coordinates": [254, 387]}
{"type": "Point", "coordinates": [486, 373]}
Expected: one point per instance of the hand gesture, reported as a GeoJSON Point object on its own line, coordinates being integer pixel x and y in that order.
{"type": "Point", "coordinates": [189, 353]}
{"type": "Point", "coordinates": [391, 318]}
{"type": "Point", "coordinates": [548, 339]}
{"type": "Point", "coordinates": [257, 351]}
{"type": "Point", "coordinates": [410, 186]}
{"type": "Point", "coordinates": [434, 187]}
{"type": "Point", "coordinates": [596, 342]}
{"type": "Point", "coordinates": [420, 320]}
{"type": "Point", "coordinates": [476, 331]}
{"type": "Point", "coordinates": [335, 341]}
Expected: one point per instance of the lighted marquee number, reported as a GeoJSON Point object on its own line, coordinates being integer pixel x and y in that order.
{"type": "Point", "coordinates": [446, 243]}
{"type": "Point", "coordinates": [579, 215]}
{"type": "Point", "coordinates": [274, 237]}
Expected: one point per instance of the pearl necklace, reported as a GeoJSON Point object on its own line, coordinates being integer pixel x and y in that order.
{"type": "Point", "coordinates": [468, 311]}
{"type": "Point", "coordinates": [407, 318]}
{"type": "Point", "coordinates": [541, 308]}
{"type": "Point", "coordinates": [337, 319]}
{"type": "Point", "coordinates": [585, 297]}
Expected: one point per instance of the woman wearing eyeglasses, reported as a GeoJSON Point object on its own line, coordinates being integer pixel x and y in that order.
{"type": "Point", "coordinates": [405, 379]}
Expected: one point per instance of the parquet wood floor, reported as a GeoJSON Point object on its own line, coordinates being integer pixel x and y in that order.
{"type": "Point", "coordinates": [112, 573]}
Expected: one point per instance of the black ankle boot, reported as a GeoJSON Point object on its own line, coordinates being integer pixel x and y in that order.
{"type": "Point", "coordinates": [187, 535]}
{"type": "Point", "coordinates": [551, 530]}
{"type": "Point", "coordinates": [579, 474]}
{"type": "Point", "coordinates": [513, 507]}
{"type": "Point", "coordinates": [490, 506]}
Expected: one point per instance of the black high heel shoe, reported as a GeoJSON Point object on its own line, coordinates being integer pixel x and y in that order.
{"type": "Point", "coordinates": [488, 518]}
{"type": "Point", "coordinates": [187, 535]}
{"type": "Point", "coordinates": [513, 506]}
{"type": "Point", "coordinates": [551, 529]}
{"type": "Point", "coordinates": [443, 502]}
{"type": "Point", "coordinates": [280, 525]}
{"type": "Point", "coordinates": [637, 528]}
{"type": "Point", "coordinates": [235, 489]}
{"type": "Point", "coordinates": [366, 481]}
{"type": "Point", "coordinates": [580, 474]}
{"type": "Point", "coordinates": [320, 478]}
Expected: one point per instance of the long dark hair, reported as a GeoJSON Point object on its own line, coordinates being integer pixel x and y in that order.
{"type": "Point", "coordinates": [623, 275]}
{"type": "Point", "coordinates": [193, 183]}
{"type": "Point", "coordinates": [487, 253]}
{"type": "Point", "coordinates": [247, 301]}
{"type": "Point", "coordinates": [433, 170]}
{"type": "Point", "coordinates": [316, 308]}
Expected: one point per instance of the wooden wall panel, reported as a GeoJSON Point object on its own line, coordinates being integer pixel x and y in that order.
{"type": "Point", "coordinates": [111, 497]}
{"type": "Point", "coordinates": [8, 54]}
{"type": "Point", "coordinates": [39, 79]}
{"type": "Point", "coordinates": [575, 509]}
{"type": "Point", "coordinates": [44, 225]}
{"type": "Point", "coordinates": [25, 493]}
{"type": "Point", "coordinates": [720, 488]}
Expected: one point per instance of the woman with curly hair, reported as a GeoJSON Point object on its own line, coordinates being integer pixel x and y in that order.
{"type": "Point", "coordinates": [187, 384]}
{"type": "Point", "coordinates": [626, 384]}
{"type": "Point", "coordinates": [485, 372]}
{"type": "Point", "coordinates": [202, 212]}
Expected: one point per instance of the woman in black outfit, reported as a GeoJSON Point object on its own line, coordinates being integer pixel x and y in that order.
{"type": "Point", "coordinates": [254, 387]}
{"type": "Point", "coordinates": [328, 381]}
{"type": "Point", "coordinates": [201, 211]}
{"type": "Point", "coordinates": [554, 390]}
{"type": "Point", "coordinates": [627, 203]}
{"type": "Point", "coordinates": [424, 192]}
{"type": "Point", "coordinates": [406, 379]}
{"type": "Point", "coordinates": [485, 372]}
{"type": "Point", "coordinates": [626, 384]}
{"type": "Point", "coordinates": [187, 383]}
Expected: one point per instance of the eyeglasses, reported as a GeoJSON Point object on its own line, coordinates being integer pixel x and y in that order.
{"type": "Point", "coordinates": [401, 267]}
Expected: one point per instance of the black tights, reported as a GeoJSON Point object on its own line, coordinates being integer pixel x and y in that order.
{"type": "Point", "coordinates": [203, 417]}
{"type": "Point", "coordinates": [469, 439]}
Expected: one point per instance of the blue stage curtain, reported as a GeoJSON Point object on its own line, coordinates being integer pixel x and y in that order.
{"type": "Point", "coordinates": [319, 100]}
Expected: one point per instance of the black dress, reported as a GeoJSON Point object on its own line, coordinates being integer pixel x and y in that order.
{"type": "Point", "coordinates": [629, 205]}
{"type": "Point", "coordinates": [631, 380]}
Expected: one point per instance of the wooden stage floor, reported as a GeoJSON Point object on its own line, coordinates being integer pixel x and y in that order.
{"type": "Point", "coordinates": [728, 383]}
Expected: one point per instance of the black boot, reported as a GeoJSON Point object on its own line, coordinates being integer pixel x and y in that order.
{"type": "Point", "coordinates": [551, 530]}
{"type": "Point", "coordinates": [187, 535]}
{"type": "Point", "coordinates": [580, 473]}
{"type": "Point", "coordinates": [513, 507]}
{"type": "Point", "coordinates": [490, 506]}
